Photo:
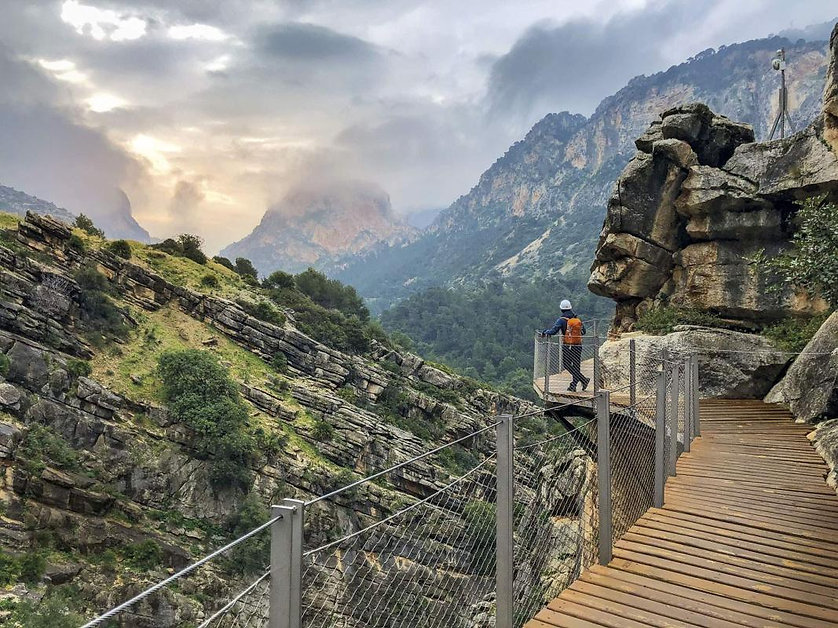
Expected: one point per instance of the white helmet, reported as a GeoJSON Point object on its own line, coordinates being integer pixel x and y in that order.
{"type": "Point", "coordinates": [565, 305]}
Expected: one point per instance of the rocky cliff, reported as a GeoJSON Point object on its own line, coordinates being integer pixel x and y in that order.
{"type": "Point", "coordinates": [537, 210]}
{"type": "Point", "coordinates": [314, 226]}
{"type": "Point", "coordinates": [695, 207]}
{"type": "Point", "coordinates": [108, 490]}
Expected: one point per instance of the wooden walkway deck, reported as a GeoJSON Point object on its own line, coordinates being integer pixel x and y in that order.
{"type": "Point", "coordinates": [559, 394]}
{"type": "Point", "coordinates": [748, 536]}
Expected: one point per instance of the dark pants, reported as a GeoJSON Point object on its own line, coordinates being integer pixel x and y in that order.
{"type": "Point", "coordinates": [572, 360]}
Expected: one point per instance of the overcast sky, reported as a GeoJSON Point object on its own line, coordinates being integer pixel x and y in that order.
{"type": "Point", "coordinates": [206, 112]}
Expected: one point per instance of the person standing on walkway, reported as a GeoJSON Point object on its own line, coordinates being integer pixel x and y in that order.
{"type": "Point", "coordinates": [571, 328]}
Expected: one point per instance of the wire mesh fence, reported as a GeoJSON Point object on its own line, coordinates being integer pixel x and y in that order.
{"type": "Point", "coordinates": [555, 516]}
{"type": "Point", "coordinates": [431, 564]}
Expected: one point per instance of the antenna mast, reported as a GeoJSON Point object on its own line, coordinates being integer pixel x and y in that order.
{"type": "Point", "coordinates": [779, 63]}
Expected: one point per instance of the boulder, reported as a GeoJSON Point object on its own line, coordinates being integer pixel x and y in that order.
{"type": "Point", "coordinates": [713, 138]}
{"type": "Point", "coordinates": [731, 364]}
{"type": "Point", "coordinates": [28, 366]}
{"type": "Point", "coordinates": [709, 190]}
{"type": "Point", "coordinates": [810, 387]}
{"type": "Point", "coordinates": [825, 440]}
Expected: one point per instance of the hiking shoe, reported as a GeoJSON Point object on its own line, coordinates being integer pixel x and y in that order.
{"type": "Point", "coordinates": [585, 383]}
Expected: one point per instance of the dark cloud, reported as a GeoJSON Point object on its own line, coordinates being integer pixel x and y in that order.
{"type": "Point", "coordinates": [574, 65]}
{"type": "Point", "coordinates": [299, 41]}
{"type": "Point", "coordinates": [44, 151]}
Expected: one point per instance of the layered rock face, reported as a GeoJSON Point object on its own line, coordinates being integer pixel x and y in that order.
{"type": "Point", "coordinates": [694, 209]}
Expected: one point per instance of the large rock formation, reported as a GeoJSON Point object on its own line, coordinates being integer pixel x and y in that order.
{"type": "Point", "coordinates": [732, 364]}
{"type": "Point", "coordinates": [830, 94]}
{"type": "Point", "coordinates": [314, 225]}
{"type": "Point", "coordinates": [696, 206]}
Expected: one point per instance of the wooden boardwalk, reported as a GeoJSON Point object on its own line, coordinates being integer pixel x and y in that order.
{"type": "Point", "coordinates": [559, 394]}
{"type": "Point", "coordinates": [748, 536]}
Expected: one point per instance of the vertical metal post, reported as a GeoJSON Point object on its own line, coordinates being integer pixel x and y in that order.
{"type": "Point", "coordinates": [688, 405]}
{"type": "Point", "coordinates": [660, 440]}
{"type": "Point", "coordinates": [560, 340]}
{"type": "Point", "coordinates": [673, 419]}
{"type": "Point", "coordinates": [279, 610]}
{"type": "Point", "coordinates": [696, 407]}
{"type": "Point", "coordinates": [296, 583]}
{"type": "Point", "coordinates": [596, 357]}
{"type": "Point", "coordinates": [547, 368]}
{"type": "Point", "coordinates": [632, 373]}
{"type": "Point", "coordinates": [505, 544]}
{"type": "Point", "coordinates": [603, 444]}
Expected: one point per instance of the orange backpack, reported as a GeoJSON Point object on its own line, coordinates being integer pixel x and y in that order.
{"type": "Point", "coordinates": [573, 331]}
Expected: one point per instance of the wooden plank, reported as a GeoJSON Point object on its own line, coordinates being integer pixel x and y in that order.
{"type": "Point", "coordinates": [713, 604]}
{"type": "Point", "coordinates": [603, 618]}
{"type": "Point", "coordinates": [620, 610]}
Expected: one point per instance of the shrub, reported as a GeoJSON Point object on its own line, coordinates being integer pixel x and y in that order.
{"type": "Point", "coordinates": [201, 394]}
{"type": "Point", "coordinates": [331, 294]}
{"type": "Point", "coordinates": [190, 245]}
{"type": "Point", "coordinates": [41, 446]}
{"type": "Point", "coordinates": [322, 431]}
{"type": "Point", "coordinates": [657, 320]}
{"type": "Point", "coordinates": [78, 368]}
{"type": "Point", "coordinates": [279, 362]}
{"type": "Point", "coordinates": [76, 244]}
{"type": "Point", "coordinates": [793, 334]}
{"type": "Point", "coordinates": [143, 555]}
{"type": "Point", "coordinates": [226, 263]}
{"type": "Point", "coordinates": [279, 280]}
{"type": "Point", "coordinates": [32, 567]}
{"type": "Point", "coordinates": [86, 224]}
{"type": "Point", "coordinates": [245, 268]}
{"type": "Point", "coordinates": [57, 609]}
{"type": "Point", "coordinates": [812, 263]}
{"type": "Point", "coordinates": [264, 311]}
{"type": "Point", "coordinates": [252, 556]}
{"type": "Point", "coordinates": [5, 363]}
{"type": "Point", "coordinates": [209, 281]}
{"type": "Point", "coordinates": [169, 246]}
{"type": "Point", "coordinates": [97, 312]}
{"type": "Point", "coordinates": [120, 248]}
{"type": "Point", "coordinates": [348, 394]}
{"type": "Point", "coordinates": [9, 569]}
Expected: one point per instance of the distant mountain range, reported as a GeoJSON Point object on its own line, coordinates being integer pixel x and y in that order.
{"type": "Point", "coordinates": [119, 223]}
{"type": "Point", "coordinates": [16, 202]}
{"type": "Point", "coordinates": [537, 211]}
{"type": "Point", "coordinates": [318, 226]}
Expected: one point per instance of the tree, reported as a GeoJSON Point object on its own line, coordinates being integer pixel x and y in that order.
{"type": "Point", "coordinates": [812, 263]}
{"type": "Point", "coordinates": [226, 263]}
{"type": "Point", "coordinates": [86, 224]}
{"type": "Point", "coordinates": [190, 245]}
{"type": "Point", "coordinates": [245, 268]}
{"type": "Point", "coordinates": [279, 280]}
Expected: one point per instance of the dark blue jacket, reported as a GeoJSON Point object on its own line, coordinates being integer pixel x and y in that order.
{"type": "Point", "coordinates": [560, 326]}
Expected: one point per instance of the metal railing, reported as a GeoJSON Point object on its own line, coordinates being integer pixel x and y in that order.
{"type": "Point", "coordinates": [518, 517]}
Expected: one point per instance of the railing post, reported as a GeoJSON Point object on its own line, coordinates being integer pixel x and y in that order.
{"type": "Point", "coordinates": [505, 543]}
{"type": "Point", "coordinates": [603, 443]}
{"type": "Point", "coordinates": [279, 610]}
{"type": "Point", "coordinates": [696, 407]}
{"type": "Point", "coordinates": [547, 368]}
{"type": "Point", "coordinates": [673, 420]}
{"type": "Point", "coordinates": [632, 372]}
{"type": "Point", "coordinates": [688, 405]}
{"type": "Point", "coordinates": [297, 521]}
{"type": "Point", "coordinates": [660, 440]}
{"type": "Point", "coordinates": [560, 342]}
{"type": "Point", "coordinates": [596, 357]}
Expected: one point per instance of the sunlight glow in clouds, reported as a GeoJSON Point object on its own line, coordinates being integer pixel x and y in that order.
{"type": "Point", "coordinates": [101, 102]}
{"type": "Point", "coordinates": [63, 70]}
{"type": "Point", "coordinates": [198, 31]}
{"type": "Point", "coordinates": [101, 23]}
{"type": "Point", "coordinates": [154, 151]}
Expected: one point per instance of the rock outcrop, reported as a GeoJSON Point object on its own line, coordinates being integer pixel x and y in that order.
{"type": "Point", "coordinates": [830, 94]}
{"type": "Point", "coordinates": [810, 387]}
{"type": "Point", "coordinates": [732, 364]}
{"type": "Point", "coordinates": [695, 208]}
